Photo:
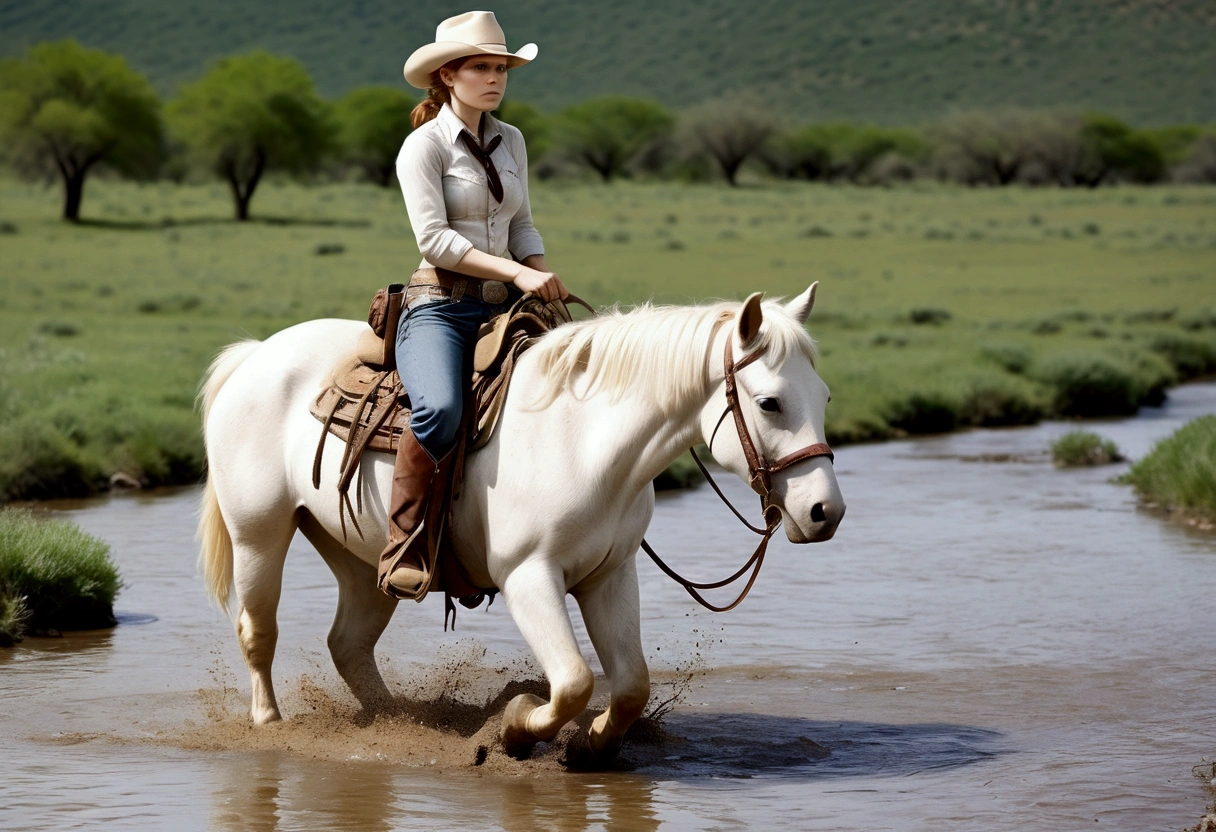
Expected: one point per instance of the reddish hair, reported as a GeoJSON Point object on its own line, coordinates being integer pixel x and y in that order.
{"type": "Point", "coordinates": [437, 94]}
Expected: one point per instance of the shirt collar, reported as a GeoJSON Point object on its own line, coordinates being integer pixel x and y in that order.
{"type": "Point", "coordinates": [452, 125]}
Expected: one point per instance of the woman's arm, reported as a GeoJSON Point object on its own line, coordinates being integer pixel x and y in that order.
{"type": "Point", "coordinates": [420, 172]}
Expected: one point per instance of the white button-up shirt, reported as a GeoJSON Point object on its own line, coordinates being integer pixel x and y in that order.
{"type": "Point", "coordinates": [447, 192]}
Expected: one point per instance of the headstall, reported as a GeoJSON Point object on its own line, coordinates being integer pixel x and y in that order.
{"type": "Point", "coordinates": [759, 476]}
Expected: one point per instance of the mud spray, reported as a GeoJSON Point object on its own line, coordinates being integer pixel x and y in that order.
{"type": "Point", "coordinates": [446, 715]}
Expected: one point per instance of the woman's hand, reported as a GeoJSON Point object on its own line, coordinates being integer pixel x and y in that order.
{"type": "Point", "coordinates": [546, 285]}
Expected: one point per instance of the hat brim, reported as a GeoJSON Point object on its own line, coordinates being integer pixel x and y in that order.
{"type": "Point", "coordinates": [426, 59]}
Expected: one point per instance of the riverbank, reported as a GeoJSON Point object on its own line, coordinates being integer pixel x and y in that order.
{"type": "Point", "coordinates": [53, 577]}
{"type": "Point", "coordinates": [1179, 474]}
{"type": "Point", "coordinates": [939, 307]}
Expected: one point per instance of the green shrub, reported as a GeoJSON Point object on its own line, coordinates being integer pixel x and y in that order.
{"type": "Point", "coordinates": [1179, 473]}
{"type": "Point", "coordinates": [1097, 384]}
{"type": "Point", "coordinates": [38, 462]}
{"type": "Point", "coordinates": [1003, 401]}
{"type": "Point", "coordinates": [64, 577]}
{"type": "Point", "coordinates": [683, 473]}
{"type": "Point", "coordinates": [1013, 358]}
{"type": "Point", "coordinates": [1079, 448]}
{"type": "Point", "coordinates": [929, 315]}
{"type": "Point", "coordinates": [1190, 355]}
{"type": "Point", "coordinates": [926, 411]}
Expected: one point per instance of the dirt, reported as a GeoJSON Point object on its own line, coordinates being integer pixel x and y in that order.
{"type": "Point", "coordinates": [448, 717]}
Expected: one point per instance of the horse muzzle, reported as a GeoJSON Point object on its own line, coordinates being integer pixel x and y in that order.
{"type": "Point", "coordinates": [817, 525]}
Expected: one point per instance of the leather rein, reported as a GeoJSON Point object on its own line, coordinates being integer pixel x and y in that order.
{"type": "Point", "coordinates": [759, 476]}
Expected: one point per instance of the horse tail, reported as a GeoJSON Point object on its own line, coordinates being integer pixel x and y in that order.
{"type": "Point", "coordinates": [215, 556]}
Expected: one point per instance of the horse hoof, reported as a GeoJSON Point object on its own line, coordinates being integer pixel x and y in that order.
{"type": "Point", "coordinates": [517, 740]}
{"type": "Point", "coordinates": [605, 750]}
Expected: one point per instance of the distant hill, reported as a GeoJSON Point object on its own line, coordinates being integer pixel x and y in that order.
{"type": "Point", "coordinates": [891, 61]}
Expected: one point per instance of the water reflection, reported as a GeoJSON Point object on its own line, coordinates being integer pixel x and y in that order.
{"type": "Point", "coordinates": [266, 792]}
{"type": "Point", "coordinates": [574, 803]}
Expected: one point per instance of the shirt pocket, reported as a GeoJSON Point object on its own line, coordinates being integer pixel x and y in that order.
{"type": "Point", "coordinates": [512, 191]}
{"type": "Point", "coordinates": [463, 193]}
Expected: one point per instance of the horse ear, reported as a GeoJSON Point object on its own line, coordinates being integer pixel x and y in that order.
{"type": "Point", "coordinates": [750, 318]}
{"type": "Point", "coordinates": [801, 306]}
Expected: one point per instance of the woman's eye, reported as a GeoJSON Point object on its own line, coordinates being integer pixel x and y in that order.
{"type": "Point", "coordinates": [770, 404]}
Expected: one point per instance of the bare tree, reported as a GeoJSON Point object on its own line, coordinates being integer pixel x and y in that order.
{"type": "Point", "coordinates": [730, 132]}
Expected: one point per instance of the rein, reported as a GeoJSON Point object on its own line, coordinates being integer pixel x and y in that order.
{"type": "Point", "coordinates": [759, 477]}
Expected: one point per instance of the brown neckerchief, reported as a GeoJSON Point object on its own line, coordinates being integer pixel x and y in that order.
{"type": "Point", "coordinates": [483, 156]}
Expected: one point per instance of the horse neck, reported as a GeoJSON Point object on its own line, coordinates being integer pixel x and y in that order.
{"type": "Point", "coordinates": [650, 438]}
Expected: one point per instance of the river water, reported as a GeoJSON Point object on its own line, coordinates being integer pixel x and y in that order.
{"type": "Point", "coordinates": [988, 642]}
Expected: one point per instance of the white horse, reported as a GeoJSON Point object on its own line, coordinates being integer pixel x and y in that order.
{"type": "Point", "coordinates": [556, 503]}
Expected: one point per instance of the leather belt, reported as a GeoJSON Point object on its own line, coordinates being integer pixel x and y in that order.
{"type": "Point", "coordinates": [458, 286]}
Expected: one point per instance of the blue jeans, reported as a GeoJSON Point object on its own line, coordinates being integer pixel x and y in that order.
{"type": "Point", "coordinates": [435, 342]}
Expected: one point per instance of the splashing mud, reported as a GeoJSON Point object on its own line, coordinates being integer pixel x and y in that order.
{"type": "Point", "coordinates": [447, 716]}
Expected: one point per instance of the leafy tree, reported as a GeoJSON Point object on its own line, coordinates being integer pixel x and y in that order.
{"type": "Point", "coordinates": [252, 114]}
{"type": "Point", "coordinates": [1111, 145]}
{"type": "Point", "coordinates": [372, 124]}
{"type": "Point", "coordinates": [535, 126]}
{"type": "Point", "coordinates": [730, 133]}
{"type": "Point", "coordinates": [66, 109]}
{"type": "Point", "coordinates": [607, 132]}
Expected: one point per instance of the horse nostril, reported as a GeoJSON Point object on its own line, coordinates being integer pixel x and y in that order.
{"type": "Point", "coordinates": [817, 514]}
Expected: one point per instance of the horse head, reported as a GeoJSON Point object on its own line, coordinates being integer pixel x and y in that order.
{"type": "Point", "coordinates": [777, 405]}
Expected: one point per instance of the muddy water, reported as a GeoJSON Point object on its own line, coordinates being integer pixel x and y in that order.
{"type": "Point", "coordinates": [988, 641]}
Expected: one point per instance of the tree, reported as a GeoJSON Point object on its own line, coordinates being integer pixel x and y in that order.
{"type": "Point", "coordinates": [252, 114]}
{"type": "Point", "coordinates": [372, 124]}
{"type": "Point", "coordinates": [607, 132]}
{"type": "Point", "coordinates": [984, 147]}
{"type": "Point", "coordinates": [66, 109]}
{"type": "Point", "coordinates": [531, 122]}
{"type": "Point", "coordinates": [729, 132]}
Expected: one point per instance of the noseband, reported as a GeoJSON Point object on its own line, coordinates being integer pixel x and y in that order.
{"type": "Point", "coordinates": [759, 476]}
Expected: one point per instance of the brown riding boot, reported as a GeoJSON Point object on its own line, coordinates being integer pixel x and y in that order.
{"type": "Point", "coordinates": [407, 564]}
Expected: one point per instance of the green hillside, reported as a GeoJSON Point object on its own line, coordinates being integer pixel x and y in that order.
{"type": "Point", "coordinates": [1148, 61]}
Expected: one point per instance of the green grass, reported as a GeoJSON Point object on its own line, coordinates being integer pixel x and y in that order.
{"type": "Point", "coordinates": [1179, 473]}
{"type": "Point", "coordinates": [1080, 448]}
{"type": "Point", "coordinates": [871, 61]}
{"type": "Point", "coordinates": [52, 576]}
{"type": "Point", "coordinates": [106, 327]}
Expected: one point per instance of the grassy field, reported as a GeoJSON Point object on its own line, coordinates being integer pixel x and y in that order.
{"type": "Point", "coordinates": [939, 306]}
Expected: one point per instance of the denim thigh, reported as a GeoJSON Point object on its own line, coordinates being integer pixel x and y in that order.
{"type": "Point", "coordinates": [435, 343]}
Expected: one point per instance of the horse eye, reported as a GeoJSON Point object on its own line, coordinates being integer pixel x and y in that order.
{"type": "Point", "coordinates": [770, 404]}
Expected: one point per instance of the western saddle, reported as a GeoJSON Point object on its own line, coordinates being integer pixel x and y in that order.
{"type": "Point", "coordinates": [366, 407]}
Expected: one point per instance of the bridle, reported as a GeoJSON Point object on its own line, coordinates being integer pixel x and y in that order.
{"type": "Point", "coordinates": [759, 476]}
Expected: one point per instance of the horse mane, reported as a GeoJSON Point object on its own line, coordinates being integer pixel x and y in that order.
{"type": "Point", "coordinates": [660, 352]}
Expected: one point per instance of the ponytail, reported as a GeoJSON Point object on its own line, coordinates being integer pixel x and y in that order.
{"type": "Point", "coordinates": [436, 96]}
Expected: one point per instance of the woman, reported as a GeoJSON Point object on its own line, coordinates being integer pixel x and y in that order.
{"type": "Point", "coordinates": [464, 175]}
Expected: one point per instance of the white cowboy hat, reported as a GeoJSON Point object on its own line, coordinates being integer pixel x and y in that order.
{"type": "Point", "coordinates": [471, 33]}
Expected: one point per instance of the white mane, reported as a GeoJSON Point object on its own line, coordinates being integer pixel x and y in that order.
{"type": "Point", "coordinates": [660, 352]}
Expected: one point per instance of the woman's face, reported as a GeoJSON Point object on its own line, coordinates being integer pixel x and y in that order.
{"type": "Point", "coordinates": [480, 82]}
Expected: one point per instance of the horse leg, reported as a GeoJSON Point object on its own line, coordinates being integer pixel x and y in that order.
{"type": "Point", "coordinates": [536, 598]}
{"type": "Point", "coordinates": [257, 571]}
{"type": "Point", "coordinates": [612, 615]}
{"type": "Point", "coordinates": [363, 613]}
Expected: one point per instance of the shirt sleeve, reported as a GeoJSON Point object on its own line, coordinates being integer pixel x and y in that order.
{"type": "Point", "coordinates": [420, 171]}
{"type": "Point", "coordinates": [523, 239]}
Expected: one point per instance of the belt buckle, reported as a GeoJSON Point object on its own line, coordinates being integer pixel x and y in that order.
{"type": "Point", "coordinates": [493, 291]}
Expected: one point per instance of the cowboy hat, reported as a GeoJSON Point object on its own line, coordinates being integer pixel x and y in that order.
{"type": "Point", "coordinates": [471, 33]}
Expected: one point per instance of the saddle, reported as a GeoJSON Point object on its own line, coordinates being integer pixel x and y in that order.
{"type": "Point", "coordinates": [366, 406]}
